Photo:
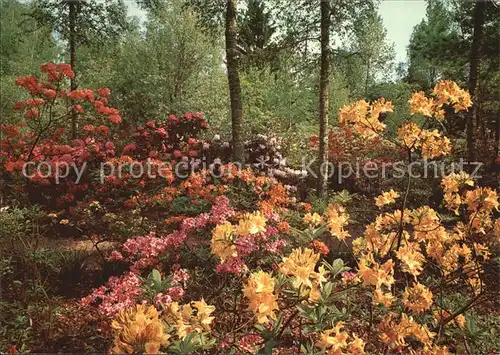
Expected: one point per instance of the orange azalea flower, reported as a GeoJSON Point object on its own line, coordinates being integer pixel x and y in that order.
{"type": "Point", "coordinates": [320, 247]}
{"type": "Point", "coordinates": [283, 226]}
{"type": "Point", "coordinates": [386, 198]}
{"type": "Point", "coordinates": [417, 298]}
{"type": "Point", "coordinates": [260, 292]}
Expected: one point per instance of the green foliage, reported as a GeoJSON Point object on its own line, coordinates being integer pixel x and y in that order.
{"type": "Point", "coordinates": [183, 73]}
{"type": "Point", "coordinates": [23, 46]}
{"type": "Point", "coordinates": [372, 55]}
{"type": "Point", "coordinates": [95, 21]}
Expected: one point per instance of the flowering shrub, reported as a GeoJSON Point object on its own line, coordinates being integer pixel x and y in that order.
{"type": "Point", "coordinates": [230, 262]}
{"type": "Point", "coordinates": [384, 303]}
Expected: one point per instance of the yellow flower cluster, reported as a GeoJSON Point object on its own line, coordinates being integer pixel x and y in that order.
{"type": "Point", "coordinates": [431, 143]}
{"type": "Point", "coordinates": [259, 290]}
{"type": "Point", "coordinates": [417, 298]}
{"type": "Point", "coordinates": [139, 330]}
{"type": "Point", "coordinates": [451, 187]}
{"type": "Point", "coordinates": [420, 104]}
{"type": "Point", "coordinates": [188, 318]}
{"type": "Point", "coordinates": [300, 264]}
{"type": "Point", "coordinates": [379, 234]}
{"type": "Point", "coordinates": [380, 276]}
{"type": "Point", "coordinates": [334, 341]}
{"type": "Point", "coordinates": [394, 334]}
{"type": "Point", "coordinates": [414, 237]}
{"type": "Point", "coordinates": [440, 315]}
{"type": "Point", "coordinates": [364, 117]}
{"type": "Point", "coordinates": [411, 258]}
{"type": "Point", "coordinates": [386, 198]}
{"type": "Point", "coordinates": [445, 92]}
{"type": "Point", "coordinates": [448, 92]}
{"type": "Point", "coordinates": [482, 199]}
{"type": "Point", "coordinates": [223, 235]}
{"type": "Point", "coordinates": [251, 223]}
{"type": "Point", "coordinates": [337, 219]}
{"type": "Point", "coordinates": [313, 219]}
{"type": "Point", "coordinates": [222, 244]}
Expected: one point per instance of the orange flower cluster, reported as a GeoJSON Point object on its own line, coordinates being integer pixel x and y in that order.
{"type": "Point", "coordinates": [259, 290]}
{"type": "Point", "coordinates": [272, 194]}
{"type": "Point", "coordinates": [337, 219]}
{"type": "Point", "coordinates": [445, 92]}
{"type": "Point", "coordinates": [197, 186]}
{"type": "Point", "coordinates": [300, 265]}
{"type": "Point", "coordinates": [335, 342]}
{"type": "Point", "coordinates": [364, 117]}
{"type": "Point", "coordinates": [394, 334]}
{"type": "Point", "coordinates": [432, 144]}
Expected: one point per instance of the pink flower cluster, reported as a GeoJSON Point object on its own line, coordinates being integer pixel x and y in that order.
{"type": "Point", "coordinates": [145, 251]}
{"type": "Point", "coordinates": [221, 210]}
{"type": "Point", "coordinates": [267, 242]}
{"type": "Point", "coordinates": [118, 293]}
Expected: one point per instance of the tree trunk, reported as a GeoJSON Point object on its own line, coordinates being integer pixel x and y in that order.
{"type": "Point", "coordinates": [497, 135]}
{"type": "Point", "coordinates": [72, 55]}
{"type": "Point", "coordinates": [323, 98]}
{"type": "Point", "coordinates": [477, 37]}
{"type": "Point", "coordinates": [367, 81]}
{"type": "Point", "coordinates": [234, 82]}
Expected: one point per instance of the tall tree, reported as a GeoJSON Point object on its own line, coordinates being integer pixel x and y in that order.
{"type": "Point", "coordinates": [475, 60]}
{"type": "Point", "coordinates": [256, 28]}
{"type": "Point", "coordinates": [233, 78]}
{"type": "Point", "coordinates": [433, 47]}
{"type": "Point", "coordinates": [323, 96]}
{"type": "Point", "coordinates": [214, 13]}
{"type": "Point", "coordinates": [301, 27]}
{"type": "Point", "coordinates": [371, 48]}
{"type": "Point", "coordinates": [81, 22]}
{"type": "Point", "coordinates": [23, 46]}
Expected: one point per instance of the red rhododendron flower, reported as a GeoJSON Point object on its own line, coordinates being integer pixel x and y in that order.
{"type": "Point", "coordinates": [103, 130]}
{"type": "Point", "coordinates": [54, 76]}
{"type": "Point", "coordinates": [162, 132]}
{"type": "Point", "coordinates": [191, 141]}
{"type": "Point", "coordinates": [78, 108]}
{"type": "Point", "coordinates": [33, 112]}
{"type": "Point", "coordinates": [116, 119]}
{"type": "Point", "coordinates": [46, 67]}
{"type": "Point", "coordinates": [30, 83]}
{"type": "Point", "coordinates": [104, 92]}
{"type": "Point", "coordinates": [173, 119]}
{"type": "Point", "coordinates": [49, 93]}
{"type": "Point", "coordinates": [66, 70]}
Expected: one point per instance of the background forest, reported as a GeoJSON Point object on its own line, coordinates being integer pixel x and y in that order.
{"type": "Point", "coordinates": [175, 60]}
